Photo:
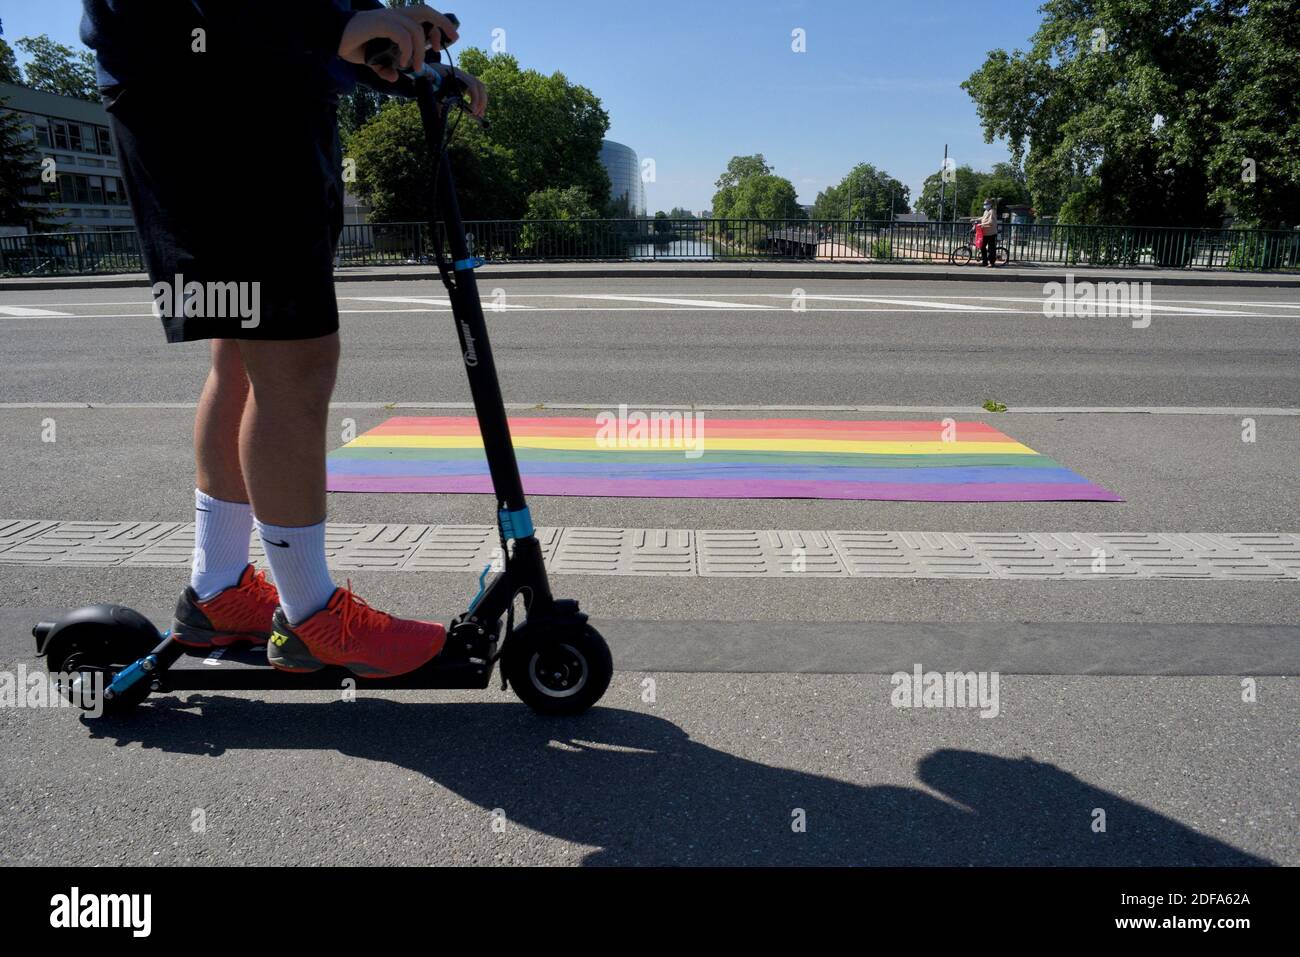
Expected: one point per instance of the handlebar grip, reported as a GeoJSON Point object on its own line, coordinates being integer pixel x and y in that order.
{"type": "Point", "coordinates": [382, 52]}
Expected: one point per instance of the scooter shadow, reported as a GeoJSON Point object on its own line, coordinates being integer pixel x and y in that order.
{"type": "Point", "coordinates": [639, 789]}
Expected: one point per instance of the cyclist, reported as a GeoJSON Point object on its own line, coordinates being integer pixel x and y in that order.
{"type": "Point", "coordinates": [988, 224]}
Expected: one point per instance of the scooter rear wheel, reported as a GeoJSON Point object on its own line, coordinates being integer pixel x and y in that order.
{"type": "Point", "coordinates": [88, 655]}
{"type": "Point", "coordinates": [562, 675]}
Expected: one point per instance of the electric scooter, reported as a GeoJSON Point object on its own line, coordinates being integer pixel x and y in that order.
{"type": "Point", "coordinates": [110, 658]}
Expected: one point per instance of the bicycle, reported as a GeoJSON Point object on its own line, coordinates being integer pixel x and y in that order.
{"type": "Point", "coordinates": [963, 254]}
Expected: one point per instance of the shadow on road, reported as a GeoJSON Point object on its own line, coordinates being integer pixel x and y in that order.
{"type": "Point", "coordinates": [639, 789]}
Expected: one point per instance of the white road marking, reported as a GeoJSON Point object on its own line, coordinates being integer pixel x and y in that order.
{"type": "Point", "coordinates": [901, 301]}
{"type": "Point", "coordinates": [412, 300]}
{"type": "Point", "coordinates": [150, 315]}
{"type": "Point", "coordinates": [133, 302]}
{"type": "Point", "coordinates": [488, 308]}
{"type": "Point", "coordinates": [901, 304]}
{"type": "Point", "coordinates": [442, 304]}
{"type": "Point", "coordinates": [1261, 303]}
{"type": "Point", "coordinates": [665, 301]}
{"type": "Point", "coordinates": [1180, 309]}
{"type": "Point", "coordinates": [29, 312]}
{"type": "Point", "coordinates": [1223, 302]}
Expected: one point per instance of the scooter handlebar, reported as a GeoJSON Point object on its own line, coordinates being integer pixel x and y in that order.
{"type": "Point", "coordinates": [384, 53]}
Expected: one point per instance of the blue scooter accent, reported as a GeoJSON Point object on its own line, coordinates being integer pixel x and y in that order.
{"type": "Point", "coordinates": [131, 674]}
{"type": "Point", "coordinates": [516, 524]}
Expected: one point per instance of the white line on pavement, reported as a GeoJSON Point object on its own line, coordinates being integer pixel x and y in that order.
{"type": "Point", "coordinates": [150, 315]}
{"type": "Point", "coordinates": [900, 301]}
{"type": "Point", "coordinates": [27, 311]}
{"type": "Point", "coordinates": [442, 304]}
{"type": "Point", "coordinates": [665, 301]}
{"type": "Point", "coordinates": [488, 308]}
{"type": "Point", "coordinates": [1180, 309]}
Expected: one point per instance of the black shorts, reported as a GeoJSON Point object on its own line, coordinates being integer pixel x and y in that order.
{"type": "Point", "coordinates": [238, 208]}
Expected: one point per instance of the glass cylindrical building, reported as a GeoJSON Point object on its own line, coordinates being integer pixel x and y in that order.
{"type": "Point", "coordinates": [624, 169]}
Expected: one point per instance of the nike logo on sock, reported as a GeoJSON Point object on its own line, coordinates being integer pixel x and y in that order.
{"type": "Point", "coordinates": [277, 544]}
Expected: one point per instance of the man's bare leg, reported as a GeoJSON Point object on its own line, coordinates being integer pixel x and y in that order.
{"type": "Point", "coordinates": [216, 426]}
{"type": "Point", "coordinates": [282, 440]}
{"type": "Point", "coordinates": [282, 450]}
{"type": "Point", "coordinates": [223, 519]}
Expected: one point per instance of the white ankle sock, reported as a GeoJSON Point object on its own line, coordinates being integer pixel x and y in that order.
{"type": "Point", "coordinates": [297, 559]}
{"type": "Point", "coordinates": [221, 531]}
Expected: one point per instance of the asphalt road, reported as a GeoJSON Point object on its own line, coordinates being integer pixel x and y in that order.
{"type": "Point", "coordinates": [554, 350]}
{"type": "Point", "coordinates": [768, 695]}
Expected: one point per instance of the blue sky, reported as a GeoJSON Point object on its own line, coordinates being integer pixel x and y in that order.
{"type": "Point", "coordinates": [692, 84]}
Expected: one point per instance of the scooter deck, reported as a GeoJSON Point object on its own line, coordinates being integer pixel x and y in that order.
{"type": "Point", "coordinates": [244, 668]}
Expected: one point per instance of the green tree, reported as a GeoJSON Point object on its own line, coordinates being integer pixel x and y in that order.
{"type": "Point", "coordinates": [738, 169]}
{"type": "Point", "coordinates": [1143, 112]}
{"type": "Point", "coordinates": [564, 233]}
{"type": "Point", "coordinates": [866, 193]}
{"type": "Point", "coordinates": [759, 196]}
{"type": "Point", "coordinates": [555, 203]}
{"type": "Point", "coordinates": [957, 195]}
{"type": "Point", "coordinates": [55, 68]}
{"type": "Point", "coordinates": [965, 194]}
{"type": "Point", "coordinates": [357, 108]}
{"type": "Point", "coordinates": [545, 132]}
{"type": "Point", "coordinates": [748, 189]}
{"type": "Point", "coordinates": [8, 64]}
{"type": "Point", "coordinates": [19, 175]}
{"type": "Point", "coordinates": [552, 128]}
{"type": "Point", "coordinates": [1257, 95]}
{"type": "Point", "coordinates": [1007, 184]}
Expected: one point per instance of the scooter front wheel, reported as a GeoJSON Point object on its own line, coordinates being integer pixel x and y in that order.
{"type": "Point", "coordinates": [560, 675]}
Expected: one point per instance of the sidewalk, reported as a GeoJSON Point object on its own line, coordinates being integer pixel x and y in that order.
{"type": "Point", "coordinates": [741, 270]}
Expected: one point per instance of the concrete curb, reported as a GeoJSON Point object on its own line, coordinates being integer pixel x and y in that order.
{"type": "Point", "coordinates": [830, 271]}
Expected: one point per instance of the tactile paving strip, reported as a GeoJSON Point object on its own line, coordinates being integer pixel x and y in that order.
{"type": "Point", "coordinates": [1042, 556]}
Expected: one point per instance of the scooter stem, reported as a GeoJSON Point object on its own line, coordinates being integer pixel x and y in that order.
{"type": "Point", "coordinates": [475, 346]}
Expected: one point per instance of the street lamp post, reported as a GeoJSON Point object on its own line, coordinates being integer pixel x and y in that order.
{"type": "Point", "coordinates": [943, 181]}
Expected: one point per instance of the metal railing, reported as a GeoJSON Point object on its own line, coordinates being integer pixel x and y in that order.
{"type": "Point", "coordinates": [71, 253]}
{"type": "Point", "coordinates": [716, 240]}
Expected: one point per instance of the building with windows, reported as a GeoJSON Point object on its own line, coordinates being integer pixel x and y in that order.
{"type": "Point", "coordinates": [75, 135]}
{"type": "Point", "coordinates": [626, 190]}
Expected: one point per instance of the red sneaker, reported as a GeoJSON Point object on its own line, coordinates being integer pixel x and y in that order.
{"type": "Point", "coordinates": [350, 634]}
{"type": "Point", "coordinates": [241, 612]}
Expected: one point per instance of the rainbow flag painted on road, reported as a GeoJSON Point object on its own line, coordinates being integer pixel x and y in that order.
{"type": "Point", "coordinates": [717, 458]}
